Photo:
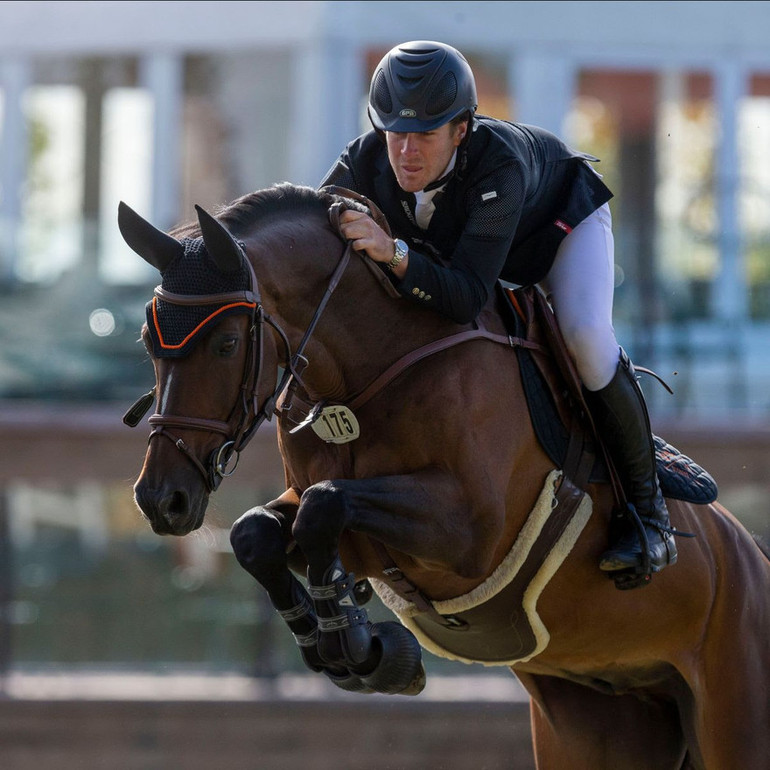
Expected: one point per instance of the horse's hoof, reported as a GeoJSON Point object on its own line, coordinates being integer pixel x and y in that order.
{"type": "Point", "coordinates": [400, 670]}
{"type": "Point", "coordinates": [349, 681]}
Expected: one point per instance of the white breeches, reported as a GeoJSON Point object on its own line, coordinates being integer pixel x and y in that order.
{"type": "Point", "coordinates": [581, 284]}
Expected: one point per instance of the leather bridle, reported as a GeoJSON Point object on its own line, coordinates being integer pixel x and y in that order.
{"type": "Point", "coordinates": [250, 416]}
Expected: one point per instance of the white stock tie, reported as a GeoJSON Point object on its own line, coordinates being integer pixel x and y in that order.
{"type": "Point", "coordinates": [424, 208]}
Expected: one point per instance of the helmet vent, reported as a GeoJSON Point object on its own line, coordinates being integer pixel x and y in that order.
{"type": "Point", "coordinates": [381, 94]}
{"type": "Point", "coordinates": [423, 51]}
{"type": "Point", "coordinates": [443, 95]}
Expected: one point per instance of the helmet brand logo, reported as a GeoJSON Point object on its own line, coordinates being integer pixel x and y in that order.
{"type": "Point", "coordinates": [407, 113]}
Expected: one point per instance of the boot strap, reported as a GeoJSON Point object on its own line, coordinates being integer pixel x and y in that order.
{"type": "Point", "coordinates": [301, 610]}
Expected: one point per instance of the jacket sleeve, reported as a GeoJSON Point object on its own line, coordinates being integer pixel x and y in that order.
{"type": "Point", "coordinates": [460, 287]}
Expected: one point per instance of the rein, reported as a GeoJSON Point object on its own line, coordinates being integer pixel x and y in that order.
{"type": "Point", "coordinates": [403, 363]}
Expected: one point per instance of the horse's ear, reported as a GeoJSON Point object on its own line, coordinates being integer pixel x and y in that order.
{"type": "Point", "coordinates": [220, 245]}
{"type": "Point", "coordinates": [152, 245]}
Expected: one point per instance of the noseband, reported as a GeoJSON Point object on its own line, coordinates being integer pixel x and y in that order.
{"type": "Point", "coordinates": [224, 460]}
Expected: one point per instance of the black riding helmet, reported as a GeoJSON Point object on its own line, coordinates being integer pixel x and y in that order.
{"type": "Point", "coordinates": [420, 86]}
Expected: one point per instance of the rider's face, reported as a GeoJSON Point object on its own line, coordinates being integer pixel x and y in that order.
{"type": "Point", "coordinates": [419, 159]}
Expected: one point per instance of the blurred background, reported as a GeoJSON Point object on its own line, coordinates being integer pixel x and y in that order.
{"type": "Point", "coordinates": [168, 104]}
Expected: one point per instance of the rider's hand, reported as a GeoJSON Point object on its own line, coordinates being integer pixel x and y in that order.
{"type": "Point", "coordinates": [366, 235]}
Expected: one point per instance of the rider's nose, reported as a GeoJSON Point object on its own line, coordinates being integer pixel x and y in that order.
{"type": "Point", "coordinates": [409, 144]}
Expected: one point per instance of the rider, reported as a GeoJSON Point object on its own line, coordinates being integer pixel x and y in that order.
{"type": "Point", "coordinates": [474, 199]}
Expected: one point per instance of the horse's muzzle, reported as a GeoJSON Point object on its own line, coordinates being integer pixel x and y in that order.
{"type": "Point", "coordinates": [170, 511]}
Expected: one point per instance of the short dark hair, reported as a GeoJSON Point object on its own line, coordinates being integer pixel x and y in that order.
{"type": "Point", "coordinates": [461, 118]}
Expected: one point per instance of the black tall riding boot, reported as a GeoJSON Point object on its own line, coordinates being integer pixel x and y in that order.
{"type": "Point", "coordinates": [622, 420]}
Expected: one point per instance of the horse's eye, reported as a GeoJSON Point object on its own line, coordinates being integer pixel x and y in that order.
{"type": "Point", "coordinates": [228, 346]}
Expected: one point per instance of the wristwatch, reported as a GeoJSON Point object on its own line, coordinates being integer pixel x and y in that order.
{"type": "Point", "coordinates": [400, 251]}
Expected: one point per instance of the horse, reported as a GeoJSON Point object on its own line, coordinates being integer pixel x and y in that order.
{"type": "Point", "coordinates": [412, 466]}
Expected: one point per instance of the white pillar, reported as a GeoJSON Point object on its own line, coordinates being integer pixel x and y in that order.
{"type": "Point", "coordinates": [542, 86]}
{"type": "Point", "coordinates": [730, 289]}
{"type": "Point", "coordinates": [15, 77]}
{"type": "Point", "coordinates": [329, 83]}
{"type": "Point", "coordinates": [163, 75]}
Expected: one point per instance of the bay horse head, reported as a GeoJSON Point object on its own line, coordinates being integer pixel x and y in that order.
{"type": "Point", "coordinates": [204, 334]}
{"type": "Point", "coordinates": [217, 333]}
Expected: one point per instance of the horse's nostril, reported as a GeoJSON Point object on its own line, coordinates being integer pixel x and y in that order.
{"type": "Point", "coordinates": [178, 504]}
{"type": "Point", "coordinates": [169, 506]}
{"type": "Point", "coordinates": [171, 509]}
{"type": "Point", "coordinates": [175, 508]}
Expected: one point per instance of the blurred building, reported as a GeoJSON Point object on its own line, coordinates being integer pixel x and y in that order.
{"type": "Point", "coordinates": [165, 105]}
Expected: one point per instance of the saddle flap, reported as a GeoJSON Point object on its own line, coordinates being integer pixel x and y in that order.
{"type": "Point", "coordinates": [558, 410]}
{"type": "Point", "coordinates": [557, 369]}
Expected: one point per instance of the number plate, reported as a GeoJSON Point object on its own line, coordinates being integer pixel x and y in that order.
{"type": "Point", "coordinates": [336, 425]}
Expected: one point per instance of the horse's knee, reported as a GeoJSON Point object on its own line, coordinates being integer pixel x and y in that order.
{"type": "Point", "coordinates": [321, 518]}
{"type": "Point", "coordinates": [258, 543]}
{"type": "Point", "coordinates": [321, 511]}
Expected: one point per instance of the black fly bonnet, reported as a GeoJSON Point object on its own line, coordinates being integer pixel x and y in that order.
{"type": "Point", "coordinates": [175, 320]}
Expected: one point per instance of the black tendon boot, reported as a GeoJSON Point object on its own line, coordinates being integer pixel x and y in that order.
{"type": "Point", "coordinates": [623, 424]}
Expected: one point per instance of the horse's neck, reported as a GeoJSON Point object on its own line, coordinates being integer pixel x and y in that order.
{"type": "Point", "coordinates": [361, 338]}
{"type": "Point", "coordinates": [363, 332]}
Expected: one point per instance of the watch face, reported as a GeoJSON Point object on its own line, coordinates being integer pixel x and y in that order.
{"type": "Point", "coordinates": [401, 248]}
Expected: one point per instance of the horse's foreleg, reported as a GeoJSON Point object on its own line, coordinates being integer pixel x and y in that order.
{"type": "Point", "coordinates": [259, 541]}
{"type": "Point", "coordinates": [345, 629]}
{"type": "Point", "coordinates": [386, 656]}
{"type": "Point", "coordinates": [425, 514]}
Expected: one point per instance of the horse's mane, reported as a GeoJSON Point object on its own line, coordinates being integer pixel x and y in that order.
{"type": "Point", "coordinates": [281, 199]}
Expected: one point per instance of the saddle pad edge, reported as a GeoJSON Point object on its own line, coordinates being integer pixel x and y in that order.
{"type": "Point", "coordinates": [501, 576]}
{"type": "Point", "coordinates": [405, 610]}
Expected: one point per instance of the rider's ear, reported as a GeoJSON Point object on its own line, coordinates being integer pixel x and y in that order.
{"type": "Point", "coordinates": [220, 245]}
{"type": "Point", "coordinates": [152, 245]}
